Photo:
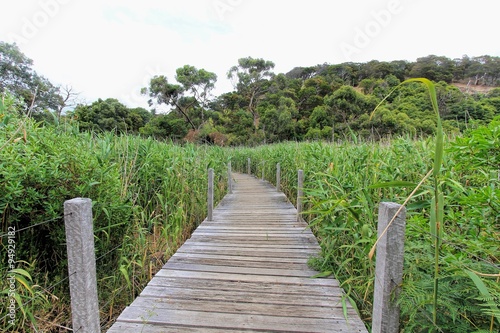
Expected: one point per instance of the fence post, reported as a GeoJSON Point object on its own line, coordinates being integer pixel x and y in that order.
{"type": "Point", "coordinates": [81, 265]}
{"type": "Point", "coordinates": [210, 194]}
{"type": "Point", "coordinates": [263, 168]}
{"type": "Point", "coordinates": [300, 193]}
{"type": "Point", "coordinates": [278, 176]}
{"type": "Point", "coordinates": [388, 269]}
{"type": "Point", "coordinates": [248, 166]}
{"type": "Point", "coordinates": [229, 178]}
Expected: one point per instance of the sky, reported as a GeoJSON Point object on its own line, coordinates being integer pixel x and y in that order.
{"type": "Point", "coordinates": [112, 48]}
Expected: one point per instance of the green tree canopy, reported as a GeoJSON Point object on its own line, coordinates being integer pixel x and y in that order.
{"type": "Point", "coordinates": [189, 98]}
{"type": "Point", "coordinates": [18, 77]}
{"type": "Point", "coordinates": [251, 77]}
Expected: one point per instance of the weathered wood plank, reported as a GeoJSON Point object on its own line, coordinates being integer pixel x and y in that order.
{"type": "Point", "coordinates": [290, 280]}
{"type": "Point", "coordinates": [263, 287]}
{"type": "Point", "coordinates": [235, 320]}
{"type": "Point", "coordinates": [332, 301]}
{"type": "Point", "coordinates": [236, 258]}
{"type": "Point", "coordinates": [282, 310]}
{"type": "Point", "coordinates": [240, 270]}
{"type": "Point", "coordinates": [244, 271]}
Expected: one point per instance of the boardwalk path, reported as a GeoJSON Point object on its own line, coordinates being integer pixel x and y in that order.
{"type": "Point", "coordinates": [245, 271]}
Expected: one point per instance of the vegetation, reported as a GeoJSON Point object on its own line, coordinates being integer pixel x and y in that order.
{"type": "Point", "coordinates": [346, 181]}
{"type": "Point", "coordinates": [149, 193]}
{"type": "Point", "coordinates": [322, 102]}
{"type": "Point", "coordinates": [147, 197]}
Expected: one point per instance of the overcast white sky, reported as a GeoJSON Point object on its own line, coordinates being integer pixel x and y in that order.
{"type": "Point", "coordinates": [111, 48]}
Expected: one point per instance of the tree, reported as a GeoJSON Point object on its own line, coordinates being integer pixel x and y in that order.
{"type": "Point", "coordinates": [189, 98]}
{"type": "Point", "coordinates": [278, 122]}
{"type": "Point", "coordinates": [166, 126]}
{"type": "Point", "coordinates": [251, 79]}
{"type": "Point", "coordinates": [67, 98]}
{"type": "Point", "coordinates": [198, 82]}
{"type": "Point", "coordinates": [346, 104]}
{"type": "Point", "coordinates": [18, 76]}
{"type": "Point", "coordinates": [111, 115]}
{"type": "Point", "coordinates": [434, 68]}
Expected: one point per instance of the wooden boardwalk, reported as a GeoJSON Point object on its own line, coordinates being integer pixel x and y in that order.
{"type": "Point", "coordinates": [245, 271]}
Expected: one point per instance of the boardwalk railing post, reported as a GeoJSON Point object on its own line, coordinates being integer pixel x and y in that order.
{"type": "Point", "coordinates": [81, 265]}
{"type": "Point", "coordinates": [249, 166]}
{"type": "Point", "coordinates": [229, 178]}
{"type": "Point", "coordinates": [278, 176]}
{"type": "Point", "coordinates": [388, 268]}
{"type": "Point", "coordinates": [210, 194]}
{"type": "Point", "coordinates": [263, 167]}
{"type": "Point", "coordinates": [300, 193]}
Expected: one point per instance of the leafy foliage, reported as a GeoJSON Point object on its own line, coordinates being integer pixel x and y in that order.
{"type": "Point", "coordinates": [341, 210]}
{"type": "Point", "coordinates": [147, 197]}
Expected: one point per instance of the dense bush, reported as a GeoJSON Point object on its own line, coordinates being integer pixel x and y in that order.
{"type": "Point", "coordinates": [147, 197]}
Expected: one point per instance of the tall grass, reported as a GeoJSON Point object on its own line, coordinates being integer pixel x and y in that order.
{"type": "Point", "coordinates": [341, 208]}
{"type": "Point", "coordinates": [147, 197]}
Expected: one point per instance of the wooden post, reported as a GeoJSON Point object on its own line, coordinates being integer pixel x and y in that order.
{"type": "Point", "coordinates": [388, 269]}
{"type": "Point", "coordinates": [278, 177]}
{"type": "Point", "coordinates": [210, 194]}
{"type": "Point", "coordinates": [229, 178]}
{"type": "Point", "coordinates": [263, 167]}
{"type": "Point", "coordinates": [81, 265]}
{"type": "Point", "coordinates": [300, 193]}
{"type": "Point", "coordinates": [248, 166]}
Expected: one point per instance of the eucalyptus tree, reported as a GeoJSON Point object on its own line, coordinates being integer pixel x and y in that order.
{"type": "Point", "coordinates": [18, 77]}
{"type": "Point", "coordinates": [188, 97]}
{"type": "Point", "coordinates": [251, 79]}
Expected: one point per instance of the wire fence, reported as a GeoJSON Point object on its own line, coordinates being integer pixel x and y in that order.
{"type": "Point", "coordinates": [24, 306]}
{"type": "Point", "coordinates": [32, 226]}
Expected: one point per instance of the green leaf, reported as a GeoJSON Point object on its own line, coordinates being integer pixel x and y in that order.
{"type": "Point", "coordinates": [485, 293]}
{"type": "Point", "coordinates": [21, 271]}
{"type": "Point", "coordinates": [322, 275]}
{"type": "Point", "coordinates": [433, 218]}
{"type": "Point", "coordinates": [440, 217]}
{"type": "Point", "coordinates": [25, 283]}
{"type": "Point", "coordinates": [124, 272]}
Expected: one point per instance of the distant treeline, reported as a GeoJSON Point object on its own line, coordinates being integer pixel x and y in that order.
{"type": "Point", "coordinates": [322, 102]}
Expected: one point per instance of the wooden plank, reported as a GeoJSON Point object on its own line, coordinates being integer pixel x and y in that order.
{"type": "Point", "coordinates": [240, 270]}
{"type": "Point", "coordinates": [234, 262]}
{"type": "Point", "coordinates": [232, 256]}
{"type": "Point", "coordinates": [127, 327]}
{"type": "Point", "coordinates": [284, 310]}
{"type": "Point", "coordinates": [289, 280]}
{"type": "Point", "coordinates": [331, 301]}
{"type": "Point", "coordinates": [235, 320]}
{"type": "Point", "coordinates": [250, 251]}
{"type": "Point", "coordinates": [228, 285]}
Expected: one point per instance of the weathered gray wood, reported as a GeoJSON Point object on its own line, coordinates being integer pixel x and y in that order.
{"type": "Point", "coordinates": [126, 327]}
{"type": "Point", "coordinates": [244, 286]}
{"type": "Point", "coordinates": [278, 177]}
{"type": "Point", "coordinates": [236, 320]}
{"type": "Point", "coordinates": [389, 268]}
{"type": "Point", "coordinates": [229, 178]}
{"type": "Point", "coordinates": [288, 280]}
{"type": "Point", "coordinates": [249, 166]}
{"type": "Point", "coordinates": [81, 265]}
{"type": "Point", "coordinates": [244, 270]}
{"type": "Point", "coordinates": [237, 296]}
{"type": "Point", "coordinates": [300, 193]}
{"type": "Point", "coordinates": [285, 310]}
{"type": "Point", "coordinates": [210, 194]}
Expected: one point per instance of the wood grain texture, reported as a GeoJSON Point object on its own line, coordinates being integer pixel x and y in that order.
{"type": "Point", "coordinates": [244, 271]}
